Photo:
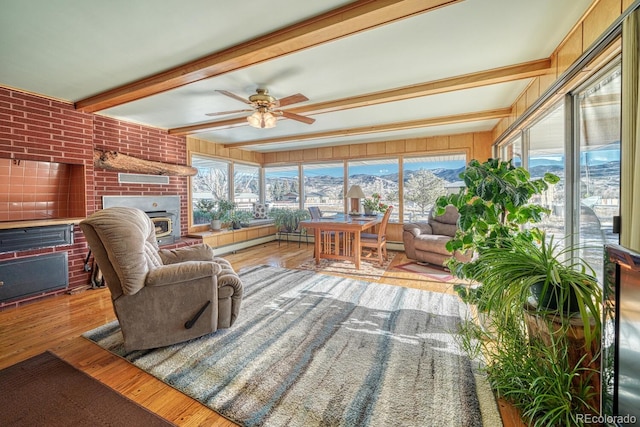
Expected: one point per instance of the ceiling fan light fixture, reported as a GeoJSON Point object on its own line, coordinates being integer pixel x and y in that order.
{"type": "Point", "coordinates": [262, 120]}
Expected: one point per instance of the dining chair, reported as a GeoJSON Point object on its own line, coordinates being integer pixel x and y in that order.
{"type": "Point", "coordinates": [315, 212]}
{"type": "Point", "coordinates": [377, 241]}
{"type": "Point", "coordinates": [325, 236]}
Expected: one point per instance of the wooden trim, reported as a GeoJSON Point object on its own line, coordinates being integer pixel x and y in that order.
{"type": "Point", "coordinates": [347, 20]}
{"type": "Point", "coordinates": [436, 121]}
{"type": "Point", "coordinates": [467, 81]}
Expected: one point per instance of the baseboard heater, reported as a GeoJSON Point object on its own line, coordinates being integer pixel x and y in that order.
{"type": "Point", "coordinates": [33, 275]}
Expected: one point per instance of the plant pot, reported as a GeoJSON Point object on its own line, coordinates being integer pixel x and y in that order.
{"type": "Point", "coordinates": [216, 224]}
{"type": "Point", "coordinates": [236, 225]}
{"type": "Point", "coordinates": [550, 299]}
{"type": "Point", "coordinates": [545, 327]}
{"type": "Point", "coordinates": [368, 211]}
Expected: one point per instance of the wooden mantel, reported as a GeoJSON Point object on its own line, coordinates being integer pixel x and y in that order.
{"type": "Point", "coordinates": [112, 160]}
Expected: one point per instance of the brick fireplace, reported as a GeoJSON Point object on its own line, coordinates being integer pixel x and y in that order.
{"type": "Point", "coordinates": [36, 129]}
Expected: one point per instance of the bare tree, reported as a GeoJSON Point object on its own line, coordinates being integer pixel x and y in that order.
{"type": "Point", "coordinates": [423, 188]}
{"type": "Point", "coordinates": [213, 181]}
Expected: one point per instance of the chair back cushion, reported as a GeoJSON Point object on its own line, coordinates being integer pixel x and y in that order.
{"type": "Point", "coordinates": [126, 245]}
{"type": "Point", "coordinates": [445, 224]}
{"type": "Point", "coordinates": [315, 212]}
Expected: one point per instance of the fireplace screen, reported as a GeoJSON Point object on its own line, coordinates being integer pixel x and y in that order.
{"type": "Point", "coordinates": [162, 222]}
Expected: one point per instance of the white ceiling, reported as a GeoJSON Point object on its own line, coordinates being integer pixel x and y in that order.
{"type": "Point", "coordinates": [74, 49]}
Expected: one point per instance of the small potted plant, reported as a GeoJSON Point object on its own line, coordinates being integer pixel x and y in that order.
{"type": "Point", "coordinates": [373, 205]}
{"type": "Point", "coordinates": [216, 209]}
{"type": "Point", "coordinates": [238, 218]}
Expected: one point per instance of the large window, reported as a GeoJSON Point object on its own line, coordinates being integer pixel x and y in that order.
{"type": "Point", "coordinates": [246, 185]}
{"type": "Point", "coordinates": [282, 187]}
{"type": "Point", "coordinates": [427, 178]}
{"type": "Point", "coordinates": [377, 176]}
{"type": "Point", "coordinates": [547, 154]}
{"type": "Point", "coordinates": [598, 115]}
{"type": "Point", "coordinates": [211, 182]}
{"type": "Point", "coordinates": [324, 187]}
{"type": "Point", "coordinates": [512, 150]}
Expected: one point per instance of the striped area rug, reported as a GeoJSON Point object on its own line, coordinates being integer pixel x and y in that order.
{"type": "Point", "coordinates": [317, 350]}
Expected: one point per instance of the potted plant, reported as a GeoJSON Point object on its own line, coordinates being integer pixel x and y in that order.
{"type": "Point", "coordinates": [544, 312]}
{"type": "Point", "coordinates": [238, 218]}
{"type": "Point", "coordinates": [216, 209]}
{"type": "Point", "coordinates": [287, 220]}
{"type": "Point", "coordinates": [493, 205]}
{"type": "Point", "coordinates": [534, 271]}
{"type": "Point", "coordinates": [373, 205]}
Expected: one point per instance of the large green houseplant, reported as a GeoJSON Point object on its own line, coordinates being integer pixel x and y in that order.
{"type": "Point", "coordinates": [494, 204]}
{"type": "Point", "coordinates": [539, 375]}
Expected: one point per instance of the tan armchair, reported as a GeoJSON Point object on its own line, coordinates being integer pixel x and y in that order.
{"type": "Point", "coordinates": [427, 241]}
{"type": "Point", "coordinates": [160, 296]}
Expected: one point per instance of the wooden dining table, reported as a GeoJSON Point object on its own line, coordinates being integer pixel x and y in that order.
{"type": "Point", "coordinates": [338, 237]}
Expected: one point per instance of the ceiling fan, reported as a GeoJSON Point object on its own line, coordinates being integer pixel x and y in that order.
{"type": "Point", "coordinates": [266, 107]}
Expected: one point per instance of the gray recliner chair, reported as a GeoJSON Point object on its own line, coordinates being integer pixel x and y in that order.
{"type": "Point", "coordinates": [427, 241]}
{"type": "Point", "coordinates": [160, 296]}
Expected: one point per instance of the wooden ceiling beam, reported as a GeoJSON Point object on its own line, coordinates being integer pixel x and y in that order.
{"type": "Point", "coordinates": [347, 20]}
{"type": "Point", "coordinates": [435, 121]}
{"type": "Point", "coordinates": [467, 81]}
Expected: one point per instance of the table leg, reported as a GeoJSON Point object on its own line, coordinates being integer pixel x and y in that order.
{"type": "Point", "coordinates": [356, 249]}
{"type": "Point", "coordinates": [316, 244]}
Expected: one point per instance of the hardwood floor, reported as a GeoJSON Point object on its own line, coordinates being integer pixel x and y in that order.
{"type": "Point", "coordinates": [56, 324]}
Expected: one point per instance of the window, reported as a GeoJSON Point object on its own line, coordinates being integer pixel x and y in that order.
{"type": "Point", "coordinates": [282, 187]}
{"type": "Point", "coordinates": [324, 187]}
{"type": "Point", "coordinates": [547, 154]}
{"type": "Point", "coordinates": [598, 115]}
{"type": "Point", "coordinates": [427, 178]}
{"type": "Point", "coordinates": [211, 182]}
{"type": "Point", "coordinates": [512, 150]}
{"type": "Point", "coordinates": [377, 176]}
{"type": "Point", "coordinates": [246, 185]}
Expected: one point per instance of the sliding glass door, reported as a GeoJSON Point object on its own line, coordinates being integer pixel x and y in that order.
{"type": "Point", "coordinates": [598, 118]}
{"type": "Point", "coordinates": [547, 154]}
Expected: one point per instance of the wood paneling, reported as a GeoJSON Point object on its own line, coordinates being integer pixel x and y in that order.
{"type": "Point", "coordinates": [547, 80]}
{"type": "Point", "coordinates": [469, 143]}
{"type": "Point", "coordinates": [195, 145]}
{"type": "Point", "coordinates": [601, 16]}
{"type": "Point", "coordinates": [533, 92]}
{"type": "Point", "coordinates": [626, 4]}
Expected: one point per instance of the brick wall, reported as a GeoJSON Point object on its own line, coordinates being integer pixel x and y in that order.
{"type": "Point", "coordinates": [40, 129]}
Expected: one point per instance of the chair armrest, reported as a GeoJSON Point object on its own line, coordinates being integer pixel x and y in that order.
{"type": "Point", "coordinates": [181, 272]}
{"type": "Point", "coordinates": [199, 252]}
{"type": "Point", "coordinates": [418, 228]}
{"type": "Point", "coordinates": [228, 277]}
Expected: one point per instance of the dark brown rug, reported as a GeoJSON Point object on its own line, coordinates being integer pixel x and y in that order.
{"type": "Point", "coordinates": [47, 391]}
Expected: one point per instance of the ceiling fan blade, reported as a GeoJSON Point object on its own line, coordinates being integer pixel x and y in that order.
{"type": "Point", "coordinates": [222, 113]}
{"type": "Point", "coordinates": [293, 99]}
{"type": "Point", "coordinates": [298, 117]}
{"type": "Point", "coordinates": [234, 96]}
